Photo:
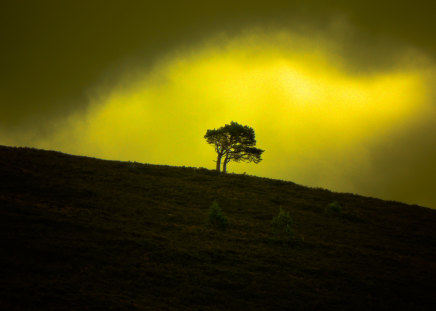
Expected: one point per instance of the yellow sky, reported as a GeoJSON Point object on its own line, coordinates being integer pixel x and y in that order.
{"type": "Point", "coordinates": [317, 120]}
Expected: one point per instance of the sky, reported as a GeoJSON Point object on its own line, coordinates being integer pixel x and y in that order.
{"type": "Point", "coordinates": [340, 93]}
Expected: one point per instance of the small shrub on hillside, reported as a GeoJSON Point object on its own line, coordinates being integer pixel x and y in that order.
{"type": "Point", "coordinates": [216, 217]}
{"type": "Point", "coordinates": [333, 208]}
{"type": "Point", "coordinates": [282, 225]}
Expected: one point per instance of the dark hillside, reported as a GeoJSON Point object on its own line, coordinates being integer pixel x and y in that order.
{"type": "Point", "coordinates": [80, 233]}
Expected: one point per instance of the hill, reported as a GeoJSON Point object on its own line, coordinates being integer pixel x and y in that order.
{"type": "Point", "coordinates": [80, 233]}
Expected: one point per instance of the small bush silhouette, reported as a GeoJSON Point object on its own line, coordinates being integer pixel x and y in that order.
{"type": "Point", "coordinates": [333, 208]}
{"type": "Point", "coordinates": [282, 225]}
{"type": "Point", "coordinates": [216, 217]}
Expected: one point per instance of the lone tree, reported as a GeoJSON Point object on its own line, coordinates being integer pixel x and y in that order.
{"type": "Point", "coordinates": [234, 142]}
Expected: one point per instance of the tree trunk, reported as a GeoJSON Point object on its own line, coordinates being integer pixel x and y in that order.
{"type": "Point", "coordinates": [218, 162]}
{"type": "Point", "coordinates": [226, 160]}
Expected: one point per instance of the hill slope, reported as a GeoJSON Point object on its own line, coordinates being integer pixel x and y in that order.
{"type": "Point", "coordinates": [81, 233]}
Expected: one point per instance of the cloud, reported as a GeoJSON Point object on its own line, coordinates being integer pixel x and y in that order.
{"type": "Point", "coordinates": [402, 161]}
{"type": "Point", "coordinates": [55, 53]}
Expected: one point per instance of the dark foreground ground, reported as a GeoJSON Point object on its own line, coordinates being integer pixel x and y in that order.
{"type": "Point", "coordinates": [80, 233]}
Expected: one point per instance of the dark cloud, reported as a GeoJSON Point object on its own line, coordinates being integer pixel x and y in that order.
{"type": "Point", "coordinates": [403, 165]}
{"type": "Point", "coordinates": [53, 52]}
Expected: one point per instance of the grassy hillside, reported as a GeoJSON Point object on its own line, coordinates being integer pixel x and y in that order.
{"type": "Point", "coordinates": [80, 233]}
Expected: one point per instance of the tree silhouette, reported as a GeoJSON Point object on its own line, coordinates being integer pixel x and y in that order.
{"type": "Point", "coordinates": [234, 142]}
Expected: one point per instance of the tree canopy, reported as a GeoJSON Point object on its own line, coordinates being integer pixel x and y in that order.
{"type": "Point", "coordinates": [234, 142]}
